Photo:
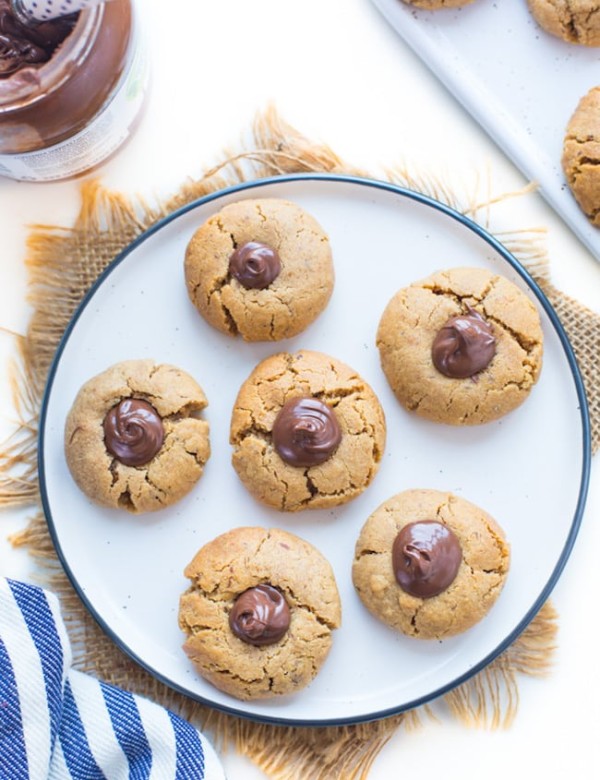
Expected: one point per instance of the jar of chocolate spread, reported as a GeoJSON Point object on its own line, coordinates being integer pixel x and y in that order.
{"type": "Point", "coordinates": [71, 90]}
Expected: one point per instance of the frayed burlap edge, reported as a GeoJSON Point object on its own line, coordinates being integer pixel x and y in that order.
{"type": "Point", "coordinates": [64, 262]}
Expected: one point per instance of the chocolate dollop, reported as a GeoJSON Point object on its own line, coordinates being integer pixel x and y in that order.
{"type": "Point", "coordinates": [260, 616]}
{"type": "Point", "coordinates": [464, 346]}
{"type": "Point", "coordinates": [255, 265]}
{"type": "Point", "coordinates": [306, 432]}
{"type": "Point", "coordinates": [133, 432]}
{"type": "Point", "coordinates": [425, 557]}
{"type": "Point", "coordinates": [25, 45]}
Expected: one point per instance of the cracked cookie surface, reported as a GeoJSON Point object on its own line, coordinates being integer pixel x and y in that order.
{"type": "Point", "coordinates": [347, 472]}
{"type": "Point", "coordinates": [575, 21]}
{"type": "Point", "coordinates": [478, 582]}
{"type": "Point", "coordinates": [291, 301]}
{"type": "Point", "coordinates": [178, 464]}
{"type": "Point", "coordinates": [416, 314]}
{"type": "Point", "coordinates": [581, 154]}
{"type": "Point", "coordinates": [226, 567]}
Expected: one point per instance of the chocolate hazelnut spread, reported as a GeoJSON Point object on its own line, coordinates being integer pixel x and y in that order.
{"type": "Point", "coordinates": [61, 117]}
{"type": "Point", "coordinates": [260, 616]}
{"type": "Point", "coordinates": [306, 432]}
{"type": "Point", "coordinates": [426, 556]}
{"type": "Point", "coordinates": [133, 432]}
{"type": "Point", "coordinates": [23, 45]}
{"type": "Point", "coordinates": [464, 346]}
{"type": "Point", "coordinates": [255, 265]}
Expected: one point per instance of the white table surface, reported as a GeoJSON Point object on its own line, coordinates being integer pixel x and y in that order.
{"type": "Point", "coordinates": [338, 72]}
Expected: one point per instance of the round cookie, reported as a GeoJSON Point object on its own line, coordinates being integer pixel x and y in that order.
{"type": "Point", "coordinates": [436, 5]}
{"type": "Point", "coordinates": [133, 438]}
{"type": "Point", "coordinates": [261, 269]}
{"type": "Point", "coordinates": [482, 567]}
{"type": "Point", "coordinates": [224, 572]}
{"type": "Point", "coordinates": [581, 153]}
{"type": "Point", "coordinates": [264, 427]}
{"type": "Point", "coordinates": [482, 315]}
{"type": "Point", "coordinates": [575, 21]}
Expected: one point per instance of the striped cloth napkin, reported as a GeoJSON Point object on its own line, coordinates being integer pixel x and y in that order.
{"type": "Point", "coordinates": [60, 724]}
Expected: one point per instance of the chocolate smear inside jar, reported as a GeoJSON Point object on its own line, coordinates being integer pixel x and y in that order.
{"type": "Point", "coordinates": [24, 45]}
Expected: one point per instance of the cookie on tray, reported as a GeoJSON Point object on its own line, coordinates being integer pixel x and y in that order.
{"type": "Point", "coordinates": [133, 437]}
{"type": "Point", "coordinates": [430, 564]}
{"type": "Point", "coordinates": [308, 432]}
{"type": "Point", "coordinates": [463, 346]}
{"type": "Point", "coordinates": [259, 613]}
{"type": "Point", "coordinates": [581, 153]}
{"type": "Point", "coordinates": [575, 21]}
{"type": "Point", "coordinates": [261, 269]}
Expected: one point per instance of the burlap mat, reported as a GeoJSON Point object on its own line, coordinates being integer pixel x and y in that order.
{"type": "Point", "coordinates": [62, 264]}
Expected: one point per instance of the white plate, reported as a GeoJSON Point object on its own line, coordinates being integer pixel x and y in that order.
{"type": "Point", "coordinates": [520, 83]}
{"type": "Point", "coordinates": [528, 470]}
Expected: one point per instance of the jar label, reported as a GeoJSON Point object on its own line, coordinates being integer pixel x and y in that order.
{"type": "Point", "coordinates": [103, 136]}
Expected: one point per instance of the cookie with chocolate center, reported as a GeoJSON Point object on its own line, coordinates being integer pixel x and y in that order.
{"type": "Point", "coordinates": [260, 269]}
{"type": "Point", "coordinates": [430, 564]}
{"type": "Point", "coordinates": [260, 612]}
{"type": "Point", "coordinates": [308, 432]}
{"type": "Point", "coordinates": [134, 439]}
{"type": "Point", "coordinates": [462, 346]}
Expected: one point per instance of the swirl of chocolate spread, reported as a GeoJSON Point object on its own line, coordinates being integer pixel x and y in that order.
{"type": "Point", "coordinates": [464, 346]}
{"type": "Point", "coordinates": [306, 432]}
{"type": "Point", "coordinates": [24, 45]}
{"type": "Point", "coordinates": [255, 265]}
{"type": "Point", "coordinates": [260, 616]}
{"type": "Point", "coordinates": [133, 432]}
{"type": "Point", "coordinates": [425, 557]}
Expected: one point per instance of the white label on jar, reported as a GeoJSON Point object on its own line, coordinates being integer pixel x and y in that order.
{"type": "Point", "coordinates": [103, 136]}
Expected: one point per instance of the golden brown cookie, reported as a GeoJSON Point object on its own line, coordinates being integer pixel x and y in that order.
{"type": "Point", "coordinates": [308, 432]}
{"type": "Point", "coordinates": [436, 5]}
{"type": "Point", "coordinates": [133, 438]}
{"type": "Point", "coordinates": [422, 558]}
{"type": "Point", "coordinates": [581, 154]}
{"type": "Point", "coordinates": [575, 21]}
{"type": "Point", "coordinates": [269, 656]}
{"type": "Point", "coordinates": [463, 318]}
{"type": "Point", "coordinates": [261, 269]}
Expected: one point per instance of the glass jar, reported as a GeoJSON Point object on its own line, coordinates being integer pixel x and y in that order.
{"type": "Point", "coordinates": [69, 115]}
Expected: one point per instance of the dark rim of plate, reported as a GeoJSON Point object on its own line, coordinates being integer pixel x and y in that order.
{"type": "Point", "coordinates": [579, 386]}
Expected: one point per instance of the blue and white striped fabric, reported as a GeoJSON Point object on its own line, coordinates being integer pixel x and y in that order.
{"type": "Point", "coordinates": [59, 724]}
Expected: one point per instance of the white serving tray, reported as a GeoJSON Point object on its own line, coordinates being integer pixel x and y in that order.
{"type": "Point", "coordinates": [520, 83]}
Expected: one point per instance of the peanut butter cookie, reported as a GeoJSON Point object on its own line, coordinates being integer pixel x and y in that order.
{"type": "Point", "coordinates": [462, 346]}
{"type": "Point", "coordinates": [133, 438]}
{"type": "Point", "coordinates": [581, 154]}
{"type": "Point", "coordinates": [430, 564]}
{"type": "Point", "coordinates": [259, 613]}
{"type": "Point", "coordinates": [308, 432]}
{"type": "Point", "coordinates": [261, 269]}
{"type": "Point", "coordinates": [575, 21]}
